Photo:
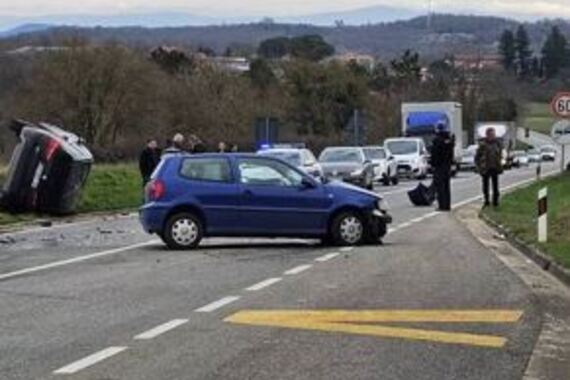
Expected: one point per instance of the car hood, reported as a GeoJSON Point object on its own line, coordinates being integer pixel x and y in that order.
{"type": "Point", "coordinates": [341, 167]}
{"type": "Point", "coordinates": [406, 157]}
{"type": "Point", "coordinates": [343, 187]}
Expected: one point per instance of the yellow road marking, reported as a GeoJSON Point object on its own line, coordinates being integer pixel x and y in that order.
{"type": "Point", "coordinates": [354, 322]}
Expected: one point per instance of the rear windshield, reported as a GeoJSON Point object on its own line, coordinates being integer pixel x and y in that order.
{"type": "Point", "coordinates": [206, 169]}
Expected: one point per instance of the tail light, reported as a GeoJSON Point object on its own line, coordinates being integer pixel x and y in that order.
{"type": "Point", "coordinates": [156, 190]}
{"type": "Point", "coordinates": [52, 147]}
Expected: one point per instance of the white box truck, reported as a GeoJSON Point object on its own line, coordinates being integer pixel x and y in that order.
{"type": "Point", "coordinates": [421, 119]}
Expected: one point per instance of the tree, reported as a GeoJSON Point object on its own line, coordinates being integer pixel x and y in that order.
{"type": "Point", "coordinates": [311, 47]}
{"type": "Point", "coordinates": [523, 52]}
{"type": "Point", "coordinates": [173, 61]}
{"type": "Point", "coordinates": [261, 74]}
{"type": "Point", "coordinates": [407, 69]}
{"type": "Point", "coordinates": [507, 49]}
{"type": "Point", "coordinates": [274, 48]}
{"type": "Point", "coordinates": [555, 53]}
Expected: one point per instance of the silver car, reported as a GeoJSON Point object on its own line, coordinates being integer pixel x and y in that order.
{"type": "Point", "coordinates": [385, 166]}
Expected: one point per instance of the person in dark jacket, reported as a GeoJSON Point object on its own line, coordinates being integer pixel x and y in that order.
{"type": "Point", "coordinates": [441, 162]}
{"type": "Point", "coordinates": [488, 160]}
{"type": "Point", "coordinates": [148, 160]}
{"type": "Point", "coordinates": [197, 146]}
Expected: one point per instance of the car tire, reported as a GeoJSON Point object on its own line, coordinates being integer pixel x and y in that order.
{"type": "Point", "coordinates": [395, 181]}
{"type": "Point", "coordinates": [183, 231]}
{"type": "Point", "coordinates": [348, 229]}
{"type": "Point", "coordinates": [386, 179]}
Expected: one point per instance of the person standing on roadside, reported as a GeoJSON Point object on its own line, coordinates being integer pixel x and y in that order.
{"type": "Point", "coordinates": [222, 147]}
{"type": "Point", "coordinates": [488, 160]}
{"type": "Point", "coordinates": [176, 145]}
{"type": "Point", "coordinates": [441, 161]}
{"type": "Point", "coordinates": [196, 144]}
{"type": "Point", "coordinates": [148, 160]}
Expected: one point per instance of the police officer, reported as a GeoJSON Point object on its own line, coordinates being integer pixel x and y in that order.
{"type": "Point", "coordinates": [441, 161]}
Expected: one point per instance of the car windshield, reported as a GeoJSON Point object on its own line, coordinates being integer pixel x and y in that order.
{"type": "Point", "coordinates": [519, 154]}
{"type": "Point", "coordinates": [402, 147]}
{"type": "Point", "coordinates": [375, 153]}
{"type": "Point", "coordinates": [548, 149]}
{"type": "Point", "coordinates": [293, 158]}
{"type": "Point", "coordinates": [341, 155]}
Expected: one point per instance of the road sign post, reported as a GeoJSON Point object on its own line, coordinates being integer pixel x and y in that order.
{"type": "Point", "coordinates": [561, 130]}
{"type": "Point", "coordinates": [543, 215]}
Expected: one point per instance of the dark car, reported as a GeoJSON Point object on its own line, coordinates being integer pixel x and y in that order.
{"type": "Point", "coordinates": [192, 196]}
{"type": "Point", "coordinates": [348, 164]}
{"type": "Point", "coordinates": [47, 171]}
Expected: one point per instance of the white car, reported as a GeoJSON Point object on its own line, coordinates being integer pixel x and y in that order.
{"type": "Point", "coordinates": [548, 153]}
{"type": "Point", "coordinates": [303, 159]}
{"type": "Point", "coordinates": [385, 167]}
{"type": "Point", "coordinates": [411, 156]}
{"type": "Point", "coordinates": [520, 158]}
{"type": "Point", "coordinates": [534, 155]}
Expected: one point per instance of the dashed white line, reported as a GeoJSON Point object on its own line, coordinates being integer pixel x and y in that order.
{"type": "Point", "coordinates": [263, 284]}
{"type": "Point", "coordinates": [217, 304]}
{"type": "Point", "coordinates": [328, 257]}
{"type": "Point", "coordinates": [75, 260]}
{"type": "Point", "coordinates": [89, 360]}
{"type": "Point", "coordinates": [297, 270]}
{"type": "Point", "coordinates": [161, 329]}
{"type": "Point", "coordinates": [404, 225]}
{"type": "Point", "coordinates": [346, 249]}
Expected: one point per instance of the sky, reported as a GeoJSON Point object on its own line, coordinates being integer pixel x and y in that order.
{"type": "Point", "coordinates": [280, 8]}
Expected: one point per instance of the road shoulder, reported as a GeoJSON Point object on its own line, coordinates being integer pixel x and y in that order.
{"type": "Point", "coordinates": [551, 355]}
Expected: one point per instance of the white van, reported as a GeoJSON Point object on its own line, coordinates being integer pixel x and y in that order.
{"type": "Point", "coordinates": [411, 156]}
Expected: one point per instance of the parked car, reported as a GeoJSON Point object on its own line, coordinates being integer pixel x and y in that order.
{"type": "Point", "coordinates": [193, 196]}
{"type": "Point", "coordinates": [520, 158]}
{"type": "Point", "coordinates": [411, 156]}
{"type": "Point", "coordinates": [348, 164]}
{"type": "Point", "coordinates": [467, 161]}
{"type": "Point", "coordinates": [385, 167]}
{"type": "Point", "coordinates": [303, 159]}
{"type": "Point", "coordinates": [548, 153]}
{"type": "Point", "coordinates": [534, 155]}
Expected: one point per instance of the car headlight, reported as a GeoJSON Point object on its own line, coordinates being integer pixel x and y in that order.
{"type": "Point", "coordinates": [357, 173]}
{"type": "Point", "coordinates": [382, 205]}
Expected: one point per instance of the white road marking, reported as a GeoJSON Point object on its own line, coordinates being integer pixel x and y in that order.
{"type": "Point", "coordinates": [328, 257]}
{"type": "Point", "coordinates": [75, 260]}
{"type": "Point", "coordinates": [405, 225]}
{"type": "Point", "coordinates": [346, 249]}
{"type": "Point", "coordinates": [297, 270]}
{"type": "Point", "coordinates": [161, 329]}
{"type": "Point", "coordinates": [217, 304]}
{"type": "Point", "coordinates": [89, 360]}
{"type": "Point", "coordinates": [263, 284]}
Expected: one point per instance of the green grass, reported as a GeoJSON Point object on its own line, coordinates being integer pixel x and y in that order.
{"type": "Point", "coordinates": [108, 188]}
{"type": "Point", "coordinates": [112, 188]}
{"type": "Point", "coordinates": [538, 117]}
{"type": "Point", "coordinates": [518, 213]}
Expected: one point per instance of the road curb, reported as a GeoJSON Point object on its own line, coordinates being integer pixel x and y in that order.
{"type": "Point", "coordinates": [532, 252]}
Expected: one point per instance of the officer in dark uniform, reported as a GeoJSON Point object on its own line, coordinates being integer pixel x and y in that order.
{"type": "Point", "coordinates": [441, 161]}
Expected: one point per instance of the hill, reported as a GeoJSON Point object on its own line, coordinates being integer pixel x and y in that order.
{"type": "Point", "coordinates": [449, 34]}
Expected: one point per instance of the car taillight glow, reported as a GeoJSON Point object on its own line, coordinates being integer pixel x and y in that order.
{"type": "Point", "coordinates": [51, 148]}
{"type": "Point", "coordinates": [156, 190]}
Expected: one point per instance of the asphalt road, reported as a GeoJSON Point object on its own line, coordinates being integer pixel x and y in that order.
{"type": "Point", "coordinates": [102, 300]}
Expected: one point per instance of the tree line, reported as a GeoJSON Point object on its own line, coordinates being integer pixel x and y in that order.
{"type": "Point", "coordinates": [116, 97]}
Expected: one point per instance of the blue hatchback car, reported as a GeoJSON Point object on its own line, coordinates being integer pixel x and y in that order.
{"type": "Point", "coordinates": [194, 196]}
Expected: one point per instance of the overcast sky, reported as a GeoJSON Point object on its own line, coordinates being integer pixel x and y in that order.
{"type": "Point", "coordinates": [224, 8]}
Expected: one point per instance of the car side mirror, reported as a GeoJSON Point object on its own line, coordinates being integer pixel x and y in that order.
{"type": "Point", "coordinates": [391, 158]}
{"type": "Point", "coordinates": [307, 183]}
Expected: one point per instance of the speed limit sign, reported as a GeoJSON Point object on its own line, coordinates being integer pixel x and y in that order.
{"type": "Point", "coordinates": [561, 105]}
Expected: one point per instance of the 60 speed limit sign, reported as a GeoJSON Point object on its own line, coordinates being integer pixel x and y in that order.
{"type": "Point", "coordinates": [561, 105]}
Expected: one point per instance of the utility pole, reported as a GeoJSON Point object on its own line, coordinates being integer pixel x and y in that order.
{"type": "Point", "coordinates": [429, 15]}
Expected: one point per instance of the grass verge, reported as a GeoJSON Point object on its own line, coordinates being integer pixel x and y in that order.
{"type": "Point", "coordinates": [518, 213]}
{"type": "Point", "coordinates": [538, 118]}
{"type": "Point", "coordinates": [108, 188]}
